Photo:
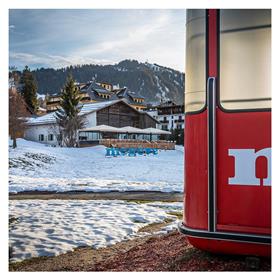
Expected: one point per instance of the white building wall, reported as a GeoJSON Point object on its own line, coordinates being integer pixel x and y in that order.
{"type": "Point", "coordinates": [154, 114]}
{"type": "Point", "coordinates": [90, 120]}
{"type": "Point", "coordinates": [33, 132]}
{"type": "Point", "coordinates": [171, 121]}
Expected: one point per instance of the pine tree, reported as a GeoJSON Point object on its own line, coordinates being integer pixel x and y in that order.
{"type": "Point", "coordinates": [68, 118]}
{"type": "Point", "coordinates": [29, 90]}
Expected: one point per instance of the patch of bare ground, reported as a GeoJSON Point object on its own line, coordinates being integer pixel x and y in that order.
{"type": "Point", "coordinates": [169, 252]}
{"type": "Point", "coordinates": [135, 196]}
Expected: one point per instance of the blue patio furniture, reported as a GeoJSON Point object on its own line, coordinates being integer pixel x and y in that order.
{"type": "Point", "coordinates": [148, 151]}
{"type": "Point", "coordinates": [108, 152]}
{"type": "Point", "coordinates": [117, 150]}
{"type": "Point", "coordinates": [113, 152]}
{"type": "Point", "coordinates": [140, 151]}
{"type": "Point", "coordinates": [155, 151]}
{"type": "Point", "coordinates": [131, 152]}
{"type": "Point", "coordinates": [123, 151]}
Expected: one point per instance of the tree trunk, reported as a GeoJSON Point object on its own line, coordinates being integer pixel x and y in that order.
{"type": "Point", "coordinates": [14, 142]}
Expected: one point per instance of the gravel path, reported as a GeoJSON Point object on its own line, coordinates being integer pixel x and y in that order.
{"type": "Point", "coordinates": [128, 195]}
{"type": "Point", "coordinates": [169, 252]}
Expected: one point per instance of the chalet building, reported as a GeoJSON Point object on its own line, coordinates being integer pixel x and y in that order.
{"type": "Point", "coordinates": [98, 92]}
{"type": "Point", "coordinates": [135, 100]}
{"type": "Point", "coordinates": [107, 86]}
{"type": "Point", "coordinates": [117, 113]}
{"type": "Point", "coordinates": [170, 115]}
{"type": "Point", "coordinates": [89, 92]}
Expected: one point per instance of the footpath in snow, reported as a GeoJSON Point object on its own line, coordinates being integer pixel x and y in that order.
{"type": "Point", "coordinates": [35, 166]}
{"type": "Point", "coordinates": [52, 227]}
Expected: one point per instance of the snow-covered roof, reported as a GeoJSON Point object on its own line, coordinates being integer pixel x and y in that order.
{"type": "Point", "coordinates": [101, 128]}
{"type": "Point", "coordinates": [130, 129]}
{"type": "Point", "coordinates": [126, 129]}
{"type": "Point", "coordinates": [152, 130]}
{"type": "Point", "coordinates": [86, 109]}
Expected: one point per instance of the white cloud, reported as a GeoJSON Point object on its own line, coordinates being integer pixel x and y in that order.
{"type": "Point", "coordinates": [54, 61]}
{"type": "Point", "coordinates": [131, 38]}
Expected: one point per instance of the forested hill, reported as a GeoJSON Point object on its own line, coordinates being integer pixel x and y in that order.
{"type": "Point", "coordinates": [153, 81]}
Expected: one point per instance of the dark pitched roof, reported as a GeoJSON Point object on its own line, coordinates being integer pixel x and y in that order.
{"type": "Point", "coordinates": [128, 95]}
{"type": "Point", "coordinates": [93, 90]}
{"type": "Point", "coordinates": [135, 95]}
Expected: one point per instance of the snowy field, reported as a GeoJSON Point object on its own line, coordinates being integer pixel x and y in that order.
{"type": "Point", "coordinates": [52, 227]}
{"type": "Point", "coordinates": [35, 166]}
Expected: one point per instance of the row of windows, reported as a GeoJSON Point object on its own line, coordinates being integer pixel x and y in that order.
{"type": "Point", "coordinates": [49, 137]}
{"type": "Point", "coordinates": [180, 118]}
{"type": "Point", "coordinates": [165, 127]}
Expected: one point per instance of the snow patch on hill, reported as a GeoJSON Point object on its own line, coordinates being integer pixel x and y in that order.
{"type": "Point", "coordinates": [35, 166]}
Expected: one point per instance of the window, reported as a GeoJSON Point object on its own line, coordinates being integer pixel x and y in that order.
{"type": "Point", "coordinates": [50, 137]}
{"type": "Point", "coordinates": [41, 137]}
{"type": "Point", "coordinates": [195, 83]}
{"type": "Point", "coordinates": [245, 59]}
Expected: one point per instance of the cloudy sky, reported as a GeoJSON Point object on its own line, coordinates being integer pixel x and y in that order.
{"type": "Point", "coordinates": [56, 38]}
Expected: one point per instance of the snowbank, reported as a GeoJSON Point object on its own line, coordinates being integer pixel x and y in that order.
{"type": "Point", "coordinates": [35, 166]}
{"type": "Point", "coordinates": [52, 227]}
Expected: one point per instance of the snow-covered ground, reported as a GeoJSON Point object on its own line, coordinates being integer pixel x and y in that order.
{"type": "Point", "coordinates": [34, 166]}
{"type": "Point", "coordinates": [52, 227]}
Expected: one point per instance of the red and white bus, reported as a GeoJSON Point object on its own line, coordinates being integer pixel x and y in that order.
{"type": "Point", "coordinates": [227, 192]}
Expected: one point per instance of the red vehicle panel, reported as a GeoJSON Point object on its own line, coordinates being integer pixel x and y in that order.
{"type": "Point", "coordinates": [241, 207]}
{"type": "Point", "coordinates": [196, 187]}
{"type": "Point", "coordinates": [227, 192]}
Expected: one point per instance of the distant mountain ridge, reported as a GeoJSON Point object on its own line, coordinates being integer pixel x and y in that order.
{"type": "Point", "coordinates": [156, 83]}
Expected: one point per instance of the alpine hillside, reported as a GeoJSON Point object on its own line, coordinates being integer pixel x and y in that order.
{"type": "Point", "coordinates": [156, 83]}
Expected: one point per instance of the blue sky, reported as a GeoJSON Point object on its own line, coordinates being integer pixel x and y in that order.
{"type": "Point", "coordinates": [57, 38]}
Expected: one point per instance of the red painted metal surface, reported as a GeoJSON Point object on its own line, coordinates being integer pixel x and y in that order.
{"type": "Point", "coordinates": [228, 247]}
{"type": "Point", "coordinates": [240, 208]}
{"type": "Point", "coordinates": [196, 187]}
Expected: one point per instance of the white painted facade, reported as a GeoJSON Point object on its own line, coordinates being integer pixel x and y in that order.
{"type": "Point", "coordinates": [44, 129]}
{"type": "Point", "coordinates": [44, 133]}
{"type": "Point", "coordinates": [47, 133]}
{"type": "Point", "coordinates": [170, 121]}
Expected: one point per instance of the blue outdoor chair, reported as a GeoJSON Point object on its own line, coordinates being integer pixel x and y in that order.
{"type": "Point", "coordinates": [155, 151]}
{"type": "Point", "coordinates": [117, 151]}
{"type": "Point", "coordinates": [131, 152]}
{"type": "Point", "coordinates": [148, 151]}
{"type": "Point", "coordinates": [108, 152]}
{"type": "Point", "coordinates": [113, 152]}
{"type": "Point", "coordinates": [123, 151]}
{"type": "Point", "coordinates": [140, 151]}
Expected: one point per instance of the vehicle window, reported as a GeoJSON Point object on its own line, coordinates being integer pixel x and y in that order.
{"type": "Point", "coordinates": [195, 78]}
{"type": "Point", "coordinates": [245, 59]}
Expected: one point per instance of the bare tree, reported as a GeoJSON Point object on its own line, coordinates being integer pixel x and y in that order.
{"type": "Point", "coordinates": [17, 116]}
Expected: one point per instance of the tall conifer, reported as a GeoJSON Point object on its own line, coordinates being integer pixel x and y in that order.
{"type": "Point", "coordinates": [68, 118]}
{"type": "Point", "coordinates": [29, 89]}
